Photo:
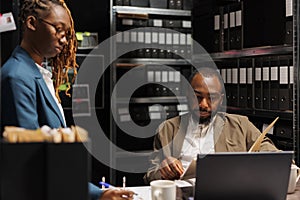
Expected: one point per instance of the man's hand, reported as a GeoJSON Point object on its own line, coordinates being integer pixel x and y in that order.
{"type": "Point", "coordinates": [171, 168]}
{"type": "Point", "coordinates": [115, 194]}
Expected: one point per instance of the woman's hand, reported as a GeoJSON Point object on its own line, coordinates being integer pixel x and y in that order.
{"type": "Point", "coordinates": [116, 194]}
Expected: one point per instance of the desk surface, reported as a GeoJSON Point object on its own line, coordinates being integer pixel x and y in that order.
{"type": "Point", "coordinates": [145, 193]}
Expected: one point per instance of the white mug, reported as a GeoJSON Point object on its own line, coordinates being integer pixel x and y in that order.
{"type": "Point", "coordinates": [163, 190]}
{"type": "Point", "coordinates": [294, 177]}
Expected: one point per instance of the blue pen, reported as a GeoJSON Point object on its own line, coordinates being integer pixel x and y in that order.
{"type": "Point", "coordinates": [107, 185]}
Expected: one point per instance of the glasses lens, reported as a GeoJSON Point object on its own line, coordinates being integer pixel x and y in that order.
{"type": "Point", "coordinates": [60, 33]}
{"type": "Point", "coordinates": [209, 98]}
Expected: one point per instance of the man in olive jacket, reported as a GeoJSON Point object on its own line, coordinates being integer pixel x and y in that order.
{"type": "Point", "coordinates": [204, 130]}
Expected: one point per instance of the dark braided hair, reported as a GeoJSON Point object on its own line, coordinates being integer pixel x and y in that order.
{"type": "Point", "coordinates": [66, 60]}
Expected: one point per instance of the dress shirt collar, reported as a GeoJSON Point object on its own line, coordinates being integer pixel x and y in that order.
{"type": "Point", "coordinates": [45, 72]}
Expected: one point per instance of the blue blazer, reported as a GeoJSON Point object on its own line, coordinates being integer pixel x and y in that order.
{"type": "Point", "coordinates": [25, 98]}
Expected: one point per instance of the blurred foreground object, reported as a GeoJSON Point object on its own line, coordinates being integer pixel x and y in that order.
{"type": "Point", "coordinates": [14, 134]}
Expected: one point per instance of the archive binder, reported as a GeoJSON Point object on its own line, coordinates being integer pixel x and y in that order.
{"type": "Point", "coordinates": [189, 41]}
{"type": "Point", "coordinates": [235, 26]}
{"type": "Point", "coordinates": [246, 83]}
{"type": "Point", "coordinates": [250, 90]}
{"type": "Point", "coordinates": [289, 22]}
{"type": "Point", "coordinates": [265, 86]}
{"type": "Point", "coordinates": [274, 85]}
{"type": "Point", "coordinates": [176, 45]}
{"type": "Point", "coordinates": [243, 87]}
{"type": "Point", "coordinates": [172, 4]}
{"type": "Point", "coordinates": [161, 43]}
{"type": "Point", "coordinates": [258, 86]}
{"type": "Point", "coordinates": [284, 130]}
{"type": "Point", "coordinates": [291, 85]}
{"type": "Point", "coordinates": [231, 26]}
{"type": "Point", "coordinates": [148, 41]}
{"type": "Point", "coordinates": [245, 24]}
{"type": "Point", "coordinates": [234, 87]}
{"type": "Point", "coordinates": [223, 72]}
{"type": "Point", "coordinates": [228, 86]}
{"type": "Point", "coordinates": [169, 44]}
{"type": "Point", "coordinates": [218, 41]}
{"type": "Point", "coordinates": [141, 41]}
{"type": "Point", "coordinates": [183, 45]}
{"type": "Point", "coordinates": [284, 87]}
{"type": "Point", "coordinates": [154, 44]}
{"type": "Point", "coordinates": [289, 32]}
{"type": "Point", "coordinates": [178, 4]}
{"type": "Point", "coordinates": [226, 28]}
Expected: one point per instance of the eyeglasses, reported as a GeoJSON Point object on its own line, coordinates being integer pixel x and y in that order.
{"type": "Point", "coordinates": [60, 33]}
{"type": "Point", "coordinates": [210, 98]}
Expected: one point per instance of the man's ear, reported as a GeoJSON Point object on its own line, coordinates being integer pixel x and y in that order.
{"type": "Point", "coordinates": [31, 22]}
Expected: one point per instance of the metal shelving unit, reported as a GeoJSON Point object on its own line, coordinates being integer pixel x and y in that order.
{"type": "Point", "coordinates": [154, 100]}
{"type": "Point", "coordinates": [291, 115]}
{"type": "Point", "coordinates": [253, 52]}
{"type": "Point", "coordinates": [284, 115]}
{"type": "Point", "coordinates": [154, 11]}
{"type": "Point", "coordinates": [149, 61]}
{"type": "Point", "coordinates": [296, 92]}
{"type": "Point", "coordinates": [142, 13]}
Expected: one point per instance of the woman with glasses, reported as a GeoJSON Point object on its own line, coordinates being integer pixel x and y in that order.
{"type": "Point", "coordinates": [29, 92]}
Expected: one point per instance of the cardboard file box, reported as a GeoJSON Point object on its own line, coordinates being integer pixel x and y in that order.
{"type": "Point", "coordinates": [35, 171]}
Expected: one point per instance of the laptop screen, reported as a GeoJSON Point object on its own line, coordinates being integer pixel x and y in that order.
{"type": "Point", "coordinates": [255, 176]}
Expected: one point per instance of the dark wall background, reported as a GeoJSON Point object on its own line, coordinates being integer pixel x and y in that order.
{"type": "Point", "coordinates": [11, 38]}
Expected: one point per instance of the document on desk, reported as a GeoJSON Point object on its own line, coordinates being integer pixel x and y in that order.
{"type": "Point", "coordinates": [190, 172]}
{"type": "Point", "coordinates": [185, 183]}
{"type": "Point", "coordinates": [143, 192]}
{"type": "Point", "coordinates": [256, 146]}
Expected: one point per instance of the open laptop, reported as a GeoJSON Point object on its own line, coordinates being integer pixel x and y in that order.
{"type": "Point", "coordinates": [243, 176]}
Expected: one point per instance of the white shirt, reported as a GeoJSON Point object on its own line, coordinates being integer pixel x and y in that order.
{"type": "Point", "coordinates": [47, 76]}
{"type": "Point", "coordinates": [199, 139]}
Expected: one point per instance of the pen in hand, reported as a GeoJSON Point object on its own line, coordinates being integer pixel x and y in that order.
{"type": "Point", "coordinates": [107, 185]}
{"type": "Point", "coordinates": [103, 180]}
{"type": "Point", "coordinates": [124, 182]}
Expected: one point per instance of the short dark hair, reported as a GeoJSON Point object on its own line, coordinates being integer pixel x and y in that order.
{"type": "Point", "coordinates": [208, 72]}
